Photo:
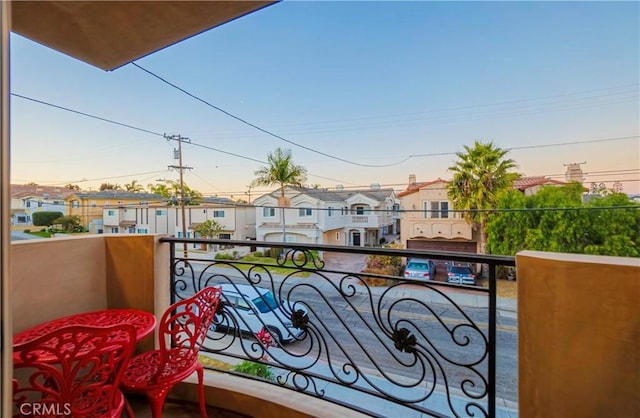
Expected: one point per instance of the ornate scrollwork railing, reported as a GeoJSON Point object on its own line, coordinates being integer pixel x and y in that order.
{"type": "Point", "coordinates": [407, 345]}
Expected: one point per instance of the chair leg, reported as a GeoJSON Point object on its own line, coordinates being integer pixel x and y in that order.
{"type": "Point", "coordinates": [203, 406]}
{"type": "Point", "coordinates": [128, 409]}
{"type": "Point", "coordinates": [156, 400]}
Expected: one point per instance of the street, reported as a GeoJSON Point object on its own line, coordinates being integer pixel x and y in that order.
{"type": "Point", "coordinates": [351, 333]}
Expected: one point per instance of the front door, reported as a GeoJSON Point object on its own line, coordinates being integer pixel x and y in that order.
{"type": "Point", "coordinates": [356, 239]}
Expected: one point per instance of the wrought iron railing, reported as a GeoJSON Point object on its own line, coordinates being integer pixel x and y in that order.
{"type": "Point", "coordinates": [381, 344]}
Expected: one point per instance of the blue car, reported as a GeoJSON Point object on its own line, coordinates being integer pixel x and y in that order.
{"type": "Point", "coordinates": [462, 274]}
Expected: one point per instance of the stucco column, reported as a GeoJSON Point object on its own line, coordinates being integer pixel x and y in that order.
{"type": "Point", "coordinates": [6, 332]}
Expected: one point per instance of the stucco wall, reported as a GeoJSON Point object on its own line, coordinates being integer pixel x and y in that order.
{"type": "Point", "coordinates": [56, 277]}
{"type": "Point", "coordinates": [578, 335]}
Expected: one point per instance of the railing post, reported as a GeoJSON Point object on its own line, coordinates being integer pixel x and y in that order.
{"type": "Point", "coordinates": [492, 340]}
{"type": "Point", "coordinates": [172, 271]}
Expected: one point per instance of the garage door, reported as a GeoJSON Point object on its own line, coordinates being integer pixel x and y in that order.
{"type": "Point", "coordinates": [451, 246]}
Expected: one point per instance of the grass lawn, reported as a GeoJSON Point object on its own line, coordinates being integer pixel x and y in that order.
{"type": "Point", "coordinates": [41, 234]}
{"type": "Point", "coordinates": [506, 288]}
{"type": "Point", "coordinates": [271, 262]}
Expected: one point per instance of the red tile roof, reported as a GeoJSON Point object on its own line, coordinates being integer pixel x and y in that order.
{"type": "Point", "coordinates": [19, 191]}
{"type": "Point", "coordinates": [524, 183]}
{"type": "Point", "coordinates": [417, 186]}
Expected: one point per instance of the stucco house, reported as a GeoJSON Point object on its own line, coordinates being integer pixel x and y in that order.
{"type": "Point", "coordinates": [358, 217]}
{"type": "Point", "coordinates": [26, 199]}
{"type": "Point", "coordinates": [532, 184]}
{"type": "Point", "coordinates": [237, 220]}
{"type": "Point", "coordinates": [89, 205]}
{"type": "Point", "coordinates": [428, 221]}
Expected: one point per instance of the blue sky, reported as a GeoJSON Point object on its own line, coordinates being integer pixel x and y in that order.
{"type": "Point", "coordinates": [367, 82]}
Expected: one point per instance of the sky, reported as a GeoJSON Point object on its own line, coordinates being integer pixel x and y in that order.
{"type": "Point", "coordinates": [361, 92]}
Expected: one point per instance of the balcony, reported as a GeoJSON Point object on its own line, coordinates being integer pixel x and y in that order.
{"type": "Point", "coordinates": [372, 344]}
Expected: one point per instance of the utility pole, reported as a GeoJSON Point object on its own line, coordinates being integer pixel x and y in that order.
{"type": "Point", "coordinates": [177, 154]}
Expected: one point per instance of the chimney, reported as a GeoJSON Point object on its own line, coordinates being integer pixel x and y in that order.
{"type": "Point", "coordinates": [375, 186]}
{"type": "Point", "coordinates": [339, 187]}
{"type": "Point", "coordinates": [412, 181]}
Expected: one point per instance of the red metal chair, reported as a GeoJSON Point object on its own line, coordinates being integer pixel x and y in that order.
{"type": "Point", "coordinates": [182, 331]}
{"type": "Point", "coordinates": [73, 371]}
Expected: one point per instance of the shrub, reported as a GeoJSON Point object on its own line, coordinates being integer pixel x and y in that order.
{"type": "Point", "coordinates": [384, 264]}
{"type": "Point", "coordinates": [258, 254]}
{"type": "Point", "coordinates": [274, 252]}
{"type": "Point", "coordinates": [223, 256]}
{"type": "Point", "coordinates": [254, 369]}
{"type": "Point", "coordinates": [45, 218]}
{"type": "Point", "coordinates": [26, 231]}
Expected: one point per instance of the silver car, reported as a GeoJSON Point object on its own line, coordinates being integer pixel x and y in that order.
{"type": "Point", "coordinates": [420, 268]}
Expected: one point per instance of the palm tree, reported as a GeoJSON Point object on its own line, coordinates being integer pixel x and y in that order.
{"type": "Point", "coordinates": [134, 187]}
{"type": "Point", "coordinates": [282, 172]}
{"type": "Point", "coordinates": [479, 174]}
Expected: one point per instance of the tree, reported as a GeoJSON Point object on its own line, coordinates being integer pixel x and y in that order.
{"type": "Point", "coordinates": [72, 186]}
{"type": "Point", "coordinates": [134, 187]}
{"type": "Point", "coordinates": [209, 229]}
{"type": "Point", "coordinates": [45, 218]}
{"type": "Point", "coordinates": [171, 191]}
{"type": "Point", "coordinates": [71, 223]}
{"type": "Point", "coordinates": [479, 175]}
{"type": "Point", "coordinates": [555, 219]}
{"type": "Point", "coordinates": [109, 186]}
{"type": "Point", "coordinates": [282, 172]}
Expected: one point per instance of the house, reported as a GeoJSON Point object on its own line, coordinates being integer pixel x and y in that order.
{"type": "Point", "coordinates": [237, 221]}
{"type": "Point", "coordinates": [531, 185]}
{"type": "Point", "coordinates": [89, 205]}
{"type": "Point", "coordinates": [358, 217]}
{"type": "Point", "coordinates": [26, 199]}
{"type": "Point", "coordinates": [428, 221]}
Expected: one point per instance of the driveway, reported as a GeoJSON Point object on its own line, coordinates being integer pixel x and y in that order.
{"type": "Point", "coordinates": [344, 262]}
{"type": "Point", "coordinates": [19, 235]}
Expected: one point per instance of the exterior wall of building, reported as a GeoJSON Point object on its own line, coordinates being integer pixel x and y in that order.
{"type": "Point", "coordinates": [318, 220]}
{"type": "Point", "coordinates": [579, 336]}
{"type": "Point", "coordinates": [238, 222]}
{"type": "Point", "coordinates": [418, 223]}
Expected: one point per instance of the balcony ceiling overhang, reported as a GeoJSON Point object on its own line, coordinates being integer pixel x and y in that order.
{"type": "Point", "coordinates": [109, 34]}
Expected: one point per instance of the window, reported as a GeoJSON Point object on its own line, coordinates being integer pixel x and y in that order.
{"type": "Point", "coordinates": [330, 211]}
{"type": "Point", "coordinates": [304, 212]}
{"type": "Point", "coordinates": [142, 231]}
{"type": "Point", "coordinates": [218, 214]}
{"type": "Point", "coordinates": [337, 236]}
{"type": "Point", "coordinates": [359, 210]}
{"type": "Point", "coordinates": [28, 203]}
{"type": "Point", "coordinates": [114, 230]}
{"type": "Point", "coordinates": [94, 203]}
{"type": "Point", "coordinates": [111, 212]}
{"type": "Point", "coordinates": [75, 203]}
{"type": "Point", "coordinates": [161, 212]}
{"type": "Point", "coordinates": [436, 209]}
{"type": "Point", "coordinates": [268, 212]}
{"type": "Point", "coordinates": [224, 236]}
{"type": "Point", "coordinates": [396, 207]}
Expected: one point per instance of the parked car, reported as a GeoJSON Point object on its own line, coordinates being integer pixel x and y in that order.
{"type": "Point", "coordinates": [254, 308]}
{"type": "Point", "coordinates": [420, 268]}
{"type": "Point", "coordinates": [460, 273]}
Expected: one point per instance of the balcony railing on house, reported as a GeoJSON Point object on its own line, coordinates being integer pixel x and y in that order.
{"type": "Point", "coordinates": [379, 344]}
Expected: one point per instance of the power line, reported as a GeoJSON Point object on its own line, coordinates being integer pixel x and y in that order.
{"type": "Point", "coordinates": [557, 144]}
{"type": "Point", "coordinates": [379, 117]}
{"type": "Point", "coordinates": [264, 162]}
{"type": "Point", "coordinates": [265, 130]}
